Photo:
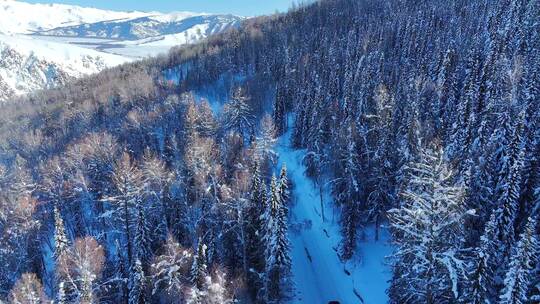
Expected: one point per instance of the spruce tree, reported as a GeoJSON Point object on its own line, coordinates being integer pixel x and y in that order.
{"type": "Point", "coordinates": [382, 197]}
{"type": "Point", "coordinates": [121, 272]}
{"type": "Point", "coordinates": [278, 114]}
{"type": "Point", "coordinates": [237, 114]}
{"type": "Point", "coordinates": [480, 278]}
{"type": "Point", "coordinates": [142, 240]}
{"type": "Point", "coordinates": [255, 247]}
{"type": "Point", "coordinates": [61, 246]}
{"type": "Point", "coordinates": [61, 243]}
{"type": "Point", "coordinates": [137, 284]}
{"type": "Point", "coordinates": [518, 279]}
{"type": "Point", "coordinates": [278, 261]}
{"type": "Point", "coordinates": [199, 270]}
{"type": "Point", "coordinates": [507, 193]}
{"type": "Point", "coordinates": [348, 188]}
{"type": "Point", "coordinates": [283, 187]}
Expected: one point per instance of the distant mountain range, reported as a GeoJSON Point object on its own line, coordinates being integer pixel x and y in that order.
{"type": "Point", "coordinates": [148, 26]}
{"type": "Point", "coordinates": [44, 45]}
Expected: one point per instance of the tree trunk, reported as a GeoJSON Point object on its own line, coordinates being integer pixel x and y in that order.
{"type": "Point", "coordinates": [377, 226]}
{"type": "Point", "coordinates": [128, 236]}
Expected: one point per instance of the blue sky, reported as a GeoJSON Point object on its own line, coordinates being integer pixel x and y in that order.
{"type": "Point", "coordinates": [238, 7]}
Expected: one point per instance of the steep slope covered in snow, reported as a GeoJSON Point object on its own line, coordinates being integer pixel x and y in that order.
{"type": "Point", "coordinates": [28, 64]}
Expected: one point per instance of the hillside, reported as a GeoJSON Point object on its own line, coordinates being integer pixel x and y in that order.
{"type": "Point", "coordinates": [301, 157]}
{"type": "Point", "coordinates": [45, 45]}
{"type": "Point", "coordinates": [28, 64]}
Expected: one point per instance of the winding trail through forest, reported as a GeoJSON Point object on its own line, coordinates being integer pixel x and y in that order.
{"type": "Point", "coordinates": [318, 273]}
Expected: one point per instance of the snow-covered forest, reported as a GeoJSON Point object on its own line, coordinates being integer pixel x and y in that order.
{"type": "Point", "coordinates": [357, 151]}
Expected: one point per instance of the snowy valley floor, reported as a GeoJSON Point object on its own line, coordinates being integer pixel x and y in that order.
{"type": "Point", "coordinates": [318, 273]}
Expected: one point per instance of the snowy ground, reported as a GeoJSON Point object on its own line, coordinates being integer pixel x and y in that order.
{"type": "Point", "coordinates": [319, 274]}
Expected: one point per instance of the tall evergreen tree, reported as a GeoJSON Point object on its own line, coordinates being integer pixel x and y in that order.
{"type": "Point", "coordinates": [199, 270]}
{"type": "Point", "coordinates": [480, 278]}
{"type": "Point", "coordinates": [141, 239]}
{"type": "Point", "coordinates": [237, 114]}
{"type": "Point", "coordinates": [283, 187]}
{"type": "Point", "coordinates": [429, 265]}
{"type": "Point", "coordinates": [137, 284]}
{"type": "Point", "coordinates": [517, 283]}
{"type": "Point", "coordinates": [507, 193]}
{"type": "Point", "coordinates": [61, 246]}
{"type": "Point", "coordinates": [278, 261]}
{"type": "Point", "coordinates": [382, 196]}
{"type": "Point", "coordinates": [256, 245]}
{"type": "Point", "coordinates": [348, 188]}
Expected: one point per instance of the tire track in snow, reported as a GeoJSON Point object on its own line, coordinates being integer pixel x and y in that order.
{"type": "Point", "coordinates": [325, 277]}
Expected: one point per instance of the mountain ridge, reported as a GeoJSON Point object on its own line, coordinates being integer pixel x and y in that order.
{"type": "Point", "coordinates": [122, 35]}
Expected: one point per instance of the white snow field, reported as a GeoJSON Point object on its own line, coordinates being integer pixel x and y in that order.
{"type": "Point", "coordinates": [318, 273]}
{"type": "Point", "coordinates": [26, 18]}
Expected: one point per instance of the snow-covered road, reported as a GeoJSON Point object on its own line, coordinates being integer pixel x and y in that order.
{"type": "Point", "coordinates": [319, 275]}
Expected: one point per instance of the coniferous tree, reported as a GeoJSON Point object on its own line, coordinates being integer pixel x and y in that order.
{"type": "Point", "coordinates": [507, 194]}
{"type": "Point", "coordinates": [348, 189]}
{"type": "Point", "coordinates": [61, 243]}
{"type": "Point", "coordinates": [237, 114]}
{"type": "Point", "coordinates": [517, 282]}
{"type": "Point", "coordinates": [255, 247]}
{"type": "Point", "coordinates": [428, 229]}
{"type": "Point", "coordinates": [382, 197]}
{"type": "Point", "coordinates": [137, 284]}
{"type": "Point", "coordinates": [278, 261]}
{"type": "Point", "coordinates": [278, 114]}
{"type": "Point", "coordinates": [366, 84]}
{"type": "Point", "coordinates": [445, 84]}
{"type": "Point", "coordinates": [283, 187]}
{"type": "Point", "coordinates": [141, 239]}
{"type": "Point", "coordinates": [465, 119]}
{"type": "Point", "coordinates": [480, 279]}
{"type": "Point", "coordinates": [199, 270]}
{"type": "Point", "coordinates": [61, 246]}
{"type": "Point", "coordinates": [264, 145]}
{"type": "Point", "coordinates": [121, 272]}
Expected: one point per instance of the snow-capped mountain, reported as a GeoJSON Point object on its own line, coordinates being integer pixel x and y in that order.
{"type": "Point", "coordinates": [27, 64]}
{"type": "Point", "coordinates": [143, 36]}
{"type": "Point", "coordinates": [149, 26]}
{"type": "Point", "coordinates": [43, 45]}
{"type": "Point", "coordinates": [25, 18]}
